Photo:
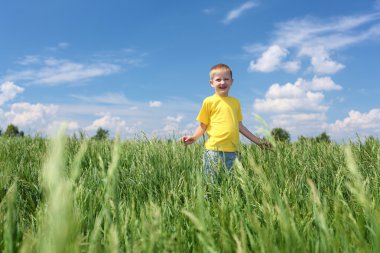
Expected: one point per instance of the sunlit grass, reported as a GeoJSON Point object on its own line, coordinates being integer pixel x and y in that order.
{"type": "Point", "coordinates": [69, 195]}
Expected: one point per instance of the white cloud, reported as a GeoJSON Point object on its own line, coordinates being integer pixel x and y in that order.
{"type": "Point", "coordinates": [300, 123]}
{"type": "Point", "coordinates": [114, 124]}
{"type": "Point", "coordinates": [107, 121]}
{"type": "Point", "coordinates": [129, 119]}
{"type": "Point", "coordinates": [55, 72]}
{"type": "Point", "coordinates": [269, 60]}
{"type": "Point", "coordinates": [8, 90]}
{"type": "Point", "coordinates": [172, 123]}
{"type": "Point", "coordinates": [300, 96]}
{"type": "Point", "coordinates": [320, 83]}
{"type": "Point", "coordinates": [320, 60]}
{"type": "Point", "coordinates": [26, 114]}
{"type": "Point", "coordinates": [285, 119]}
{"type": "Point", "coordinates": [357, 122]}
{"type": "Point", "coordinates": [330, 33]}
{"type": "Point", "coordinates": [298, 107]}
{"type": "Point", "coordinates": [288, 90]}
{"type": "Point", "coordinates": [272, 59]}
{"type": "Point", "coordinates": [310, 102]}
{"type": "Point", "coordinates": [136, 117]}
{"type": "Point", "coordinates": [155, 104]}
{"type": "Point", "coordinates": [236, 13]}
{"type": "Point", "coordinates": [317, 39]}
{"type": "Point", "coordinates": [35, 69]}
{"type": "Point", "coordinates": [299, 88]}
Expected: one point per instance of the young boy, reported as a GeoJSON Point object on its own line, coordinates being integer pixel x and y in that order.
{"type": "Point", "coordinates": [221, 117]}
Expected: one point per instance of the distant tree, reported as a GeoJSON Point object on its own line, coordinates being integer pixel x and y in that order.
{"type": "Point", "coordinates": [12, 131]}
{"type": "Point", "coordinates": [280, 134]}
{"type": "Point", "coordinates": [0, 132]}
{"type": "Point", "coordinates": [323, 137]}
{"type": "Point", "coordinates": [101, 134]}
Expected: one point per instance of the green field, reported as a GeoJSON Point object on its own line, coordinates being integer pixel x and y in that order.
{"type": "Point", "coordinates": [142, 195]}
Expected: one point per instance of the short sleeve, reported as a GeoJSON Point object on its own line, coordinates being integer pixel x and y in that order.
{"type": "Point", "coordinates": [204, 115]}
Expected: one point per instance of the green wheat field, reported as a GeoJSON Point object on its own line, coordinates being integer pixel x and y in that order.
{"type": "Point", "coordinates": [150, 195]}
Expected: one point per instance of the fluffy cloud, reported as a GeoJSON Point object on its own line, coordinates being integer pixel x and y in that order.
{"type": "Point", "coordinates": [319, 84]}
{"type": "Point", "coordinates": [236, 13]}
{"type": "Point", "coordinates": [8, 91]}
{"type": "Point", "coordinates": [301, 96]}
{"type": "Point", "coordinates": [320, 60]}
{"type": "Point", "coordinates": [298, 107]}
{"type": "Point", "coordinates": [107, 121]}
{"type": "Point", "coordinates": [269, 60]}
{"type": "Point", "coordinates": [25, 114]}
{"type": "Point", "coordinates": [272, 59]}
{"type": "Point", "coordinates": [113, 124]}
{"type": "Point", "coordinates": [357, 122]}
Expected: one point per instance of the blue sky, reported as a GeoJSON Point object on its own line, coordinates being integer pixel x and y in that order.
{"type": "Point", "coordinates": [142, 66]}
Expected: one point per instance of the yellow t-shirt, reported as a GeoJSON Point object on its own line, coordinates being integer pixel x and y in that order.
{"type": "Point", "coordinates": [222, 116]}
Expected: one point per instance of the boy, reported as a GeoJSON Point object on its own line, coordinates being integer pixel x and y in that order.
{"type": "Point", "coordinates": [221, 117]}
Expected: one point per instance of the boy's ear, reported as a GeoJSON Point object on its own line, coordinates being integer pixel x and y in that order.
{"type": "Point", "coordinates": [212, 85]}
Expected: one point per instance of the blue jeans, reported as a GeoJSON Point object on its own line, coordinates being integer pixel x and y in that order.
{"type": "Point", "coordinates": [214, 161]}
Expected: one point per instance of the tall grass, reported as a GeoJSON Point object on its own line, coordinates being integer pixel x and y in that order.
{"type": "Point", "coordinates": [69, 195]}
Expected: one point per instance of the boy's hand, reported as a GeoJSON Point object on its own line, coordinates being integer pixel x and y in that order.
{"type": "Point", "coordinates": [187, 139]}
{"type": "Point", "coordinates": [265, 144]}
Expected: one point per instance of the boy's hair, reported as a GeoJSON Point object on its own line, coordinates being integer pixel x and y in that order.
{"type": "Point", "coordinates": [219, 68]}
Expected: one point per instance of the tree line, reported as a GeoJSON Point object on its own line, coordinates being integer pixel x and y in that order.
{"type": "Point", "coordinates": [279, 134]}
{"type": "Point", "coordinates": [12, 131]}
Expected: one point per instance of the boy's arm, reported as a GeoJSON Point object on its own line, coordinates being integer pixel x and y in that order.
{"type": "Point", "coordinates": [196, 135]}
{"type": "Point", "coordinates": [244, 131]}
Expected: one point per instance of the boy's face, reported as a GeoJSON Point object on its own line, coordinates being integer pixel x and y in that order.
{"type": "Point", "coordinates": [222, 83]}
